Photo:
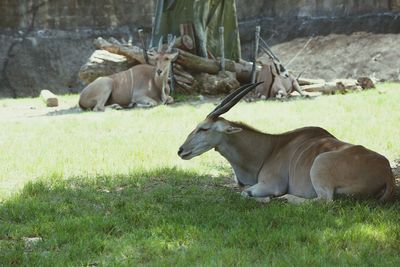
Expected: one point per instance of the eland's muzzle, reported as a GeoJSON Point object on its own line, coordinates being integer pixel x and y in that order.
{"type": "Point", "coordinates": [184, 154]}
{"type": "Point", "coordinates": [180, 151]}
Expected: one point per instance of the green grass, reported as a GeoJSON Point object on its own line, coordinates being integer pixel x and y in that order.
{"type": "Point", "coordinates": [109, 189]}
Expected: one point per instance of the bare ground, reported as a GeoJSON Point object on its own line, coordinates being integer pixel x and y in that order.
{"type": "Point", "coordinates": [344, 56]}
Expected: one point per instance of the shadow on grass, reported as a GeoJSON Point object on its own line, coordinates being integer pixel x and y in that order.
{"type": "Point", "coordinates": [172, 217]}
{"type": "Point", "coordinates": [67, 111]}
{"type": "Point", "coordinates": [188, 100]}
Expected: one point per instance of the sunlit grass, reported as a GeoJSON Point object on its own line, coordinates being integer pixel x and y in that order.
{"type": "Point", "coordinates": [109, 189]}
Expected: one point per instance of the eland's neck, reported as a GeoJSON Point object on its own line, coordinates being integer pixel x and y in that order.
{"type": "Point", "coordinates": [246, 151]}
{"type": "Point", "coordinates": [159, 80]}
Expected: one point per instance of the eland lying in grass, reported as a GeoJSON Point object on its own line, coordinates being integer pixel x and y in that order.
{"type": "Point", "coordinates": [143, 85]}
{"type": "Point", "coordinates": [304, 164]}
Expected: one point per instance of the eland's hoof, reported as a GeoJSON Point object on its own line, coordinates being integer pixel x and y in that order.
{"type": "Point", "coordinates": [263, 199]}
{"type": "Point", "coordinates": [245, 194]}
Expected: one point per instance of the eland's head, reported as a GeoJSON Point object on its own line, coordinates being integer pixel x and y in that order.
{"type": "Point", "coordinates": [164, 57]}
{"type": "Point", "coordinates": [209, 133]}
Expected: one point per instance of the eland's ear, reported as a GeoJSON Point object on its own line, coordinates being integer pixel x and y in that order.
{"type": "Point", "coordinates": [228, 129]}
{"type": "Point", "coordinates": [232, 130]}
{"type": "Point", "coordinates": [173, 56]}
{"type": "Point", "coordinates": [152, 54]}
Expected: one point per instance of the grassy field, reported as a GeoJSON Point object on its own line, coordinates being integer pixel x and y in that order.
{"type": "Point", "coordinates": [108, 189]}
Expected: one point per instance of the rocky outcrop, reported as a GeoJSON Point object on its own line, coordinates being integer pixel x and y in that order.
{"type": "Point", "coordinates": [43, 43]}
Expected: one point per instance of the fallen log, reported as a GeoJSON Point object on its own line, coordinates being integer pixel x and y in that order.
{"type": "Point", "coordinates": [346, 83]}
{"type": "Point", "coordinates": [49, 98]}
{"type": "Point", "coordinates": [103, 63]}
{"type": "Point", "coordinates": [132, 52]}
{"type": "Point", "coordinates": [184, 88]}
{"type": "Point", "coordinates": [184, 43]}
{"type": "Point", "coordinates": [182, 79]}
{"type": "Point", "coordinates": [306, 81]}
{"type": "Point", "coordinates": [331, 87]}
{"type": "Point", "coordinates": [199, 64]}
{"type": "Point", "coordinates": [136, 53]}
{"type": "Point", "coordinates": [182, 73]}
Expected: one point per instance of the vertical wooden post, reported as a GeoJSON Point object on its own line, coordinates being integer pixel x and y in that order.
{"type": "Point", "coordinates": [157, 20]}
{"type": "Point", "coordinates": [169, 38]}
{"type": "Point", "coordinates": [153, 21]}
{"type": "Point", "coordinates": [141, 37]}
{"type": "Point", "coordinates": [171, 77]}
{"type": "Point", "coordinates": [256, 42]}
{"type": "Point", "coordinates": [222, 47]}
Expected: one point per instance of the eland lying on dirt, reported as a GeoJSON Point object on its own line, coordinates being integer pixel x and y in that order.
{"type": "Point", "coordinates": [276, 84]}
{"type": "Point", "coordinates": [304, 164]}
{"type": "Point", "coordinates": [142, 85]}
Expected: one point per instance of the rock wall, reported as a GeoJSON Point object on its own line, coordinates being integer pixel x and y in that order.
{"type": "Point", "coordinates": [43, 43]}
{"type": "Point", "coordinates": [313, 8]}
{"type": "Point", "coordinates": [73, 14]}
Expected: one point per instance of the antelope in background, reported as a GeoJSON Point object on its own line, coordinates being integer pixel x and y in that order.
{"type": "Point", "coordinates": [142, 85]}
{"type": "Point", "coordinates": [304, 164]}
{"type": "Point", "coordinates": [276, 84]}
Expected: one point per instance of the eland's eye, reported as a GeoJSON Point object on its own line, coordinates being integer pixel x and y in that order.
{"type": "Point", "coordinates": [202, 129]}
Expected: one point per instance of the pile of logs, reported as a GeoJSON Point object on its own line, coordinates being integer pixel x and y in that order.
{"type": "Point", "coordinates": [196, 74]}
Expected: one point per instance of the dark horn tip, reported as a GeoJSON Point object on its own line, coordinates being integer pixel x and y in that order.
{"type": "Point", "coordinates": [230, 100]}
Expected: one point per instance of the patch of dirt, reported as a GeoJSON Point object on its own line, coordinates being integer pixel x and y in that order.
{"type": "Point", "coordinates": [396, 172]}
{"type": "Point", "coordinates": [337, 56]}
{"type": "Point", "coordinates": [30, 108]}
